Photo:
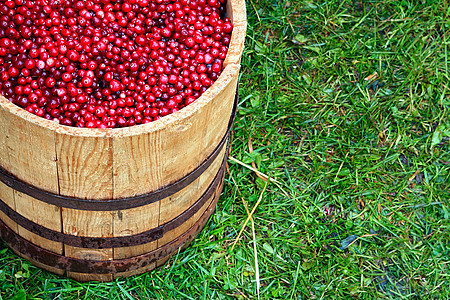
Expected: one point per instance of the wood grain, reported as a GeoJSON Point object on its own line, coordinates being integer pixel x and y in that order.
{"type": "Point", "coordinates": [6, 193]}
{"type": "Point", "coordinates": [236, 11]}
{"type": "Point", "coordinates": [4, 157]}
{"type": "Point", "coordinates": [173, 206]}
{"type": "Point", "coordinates": [104, 254]}
{"type": "Point", "coordinates": [138, 220]}
{"type": "Point", "coordinates": [84, 165]}
{"type": "Point", "coordinates": [87, 223]}
{"type": "Point", "coordinates": [85, 171]}
{"type": "Point", "coordinates": [182, 158]}
{"type": "Point", "coordinates": [7, 196]}
{"type": "Point", "coordinates": [137, 170]}
{"type": "Point", "coordinates": [40, 213]}
{"type": "Point", "coordinates": [30, 148]}
{"type": "Point", "coordinates": [173, 234]}
{"type": "Point", "coordinates": [142, 270]}
{"type": "Point", "coordinates": [134, 221]}
{"type": "Point", "coordinates": [137, 161]}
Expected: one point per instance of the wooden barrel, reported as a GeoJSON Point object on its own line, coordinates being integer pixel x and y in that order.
{"type": "Point", "coordinates": [96, 204]}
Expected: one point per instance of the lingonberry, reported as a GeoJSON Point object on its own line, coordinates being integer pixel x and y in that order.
{"type": "Point", "coordinates": [100, 63]}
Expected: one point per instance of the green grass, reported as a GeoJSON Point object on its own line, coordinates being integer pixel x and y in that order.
{"type": "Point", "coordinates": [361, 208]}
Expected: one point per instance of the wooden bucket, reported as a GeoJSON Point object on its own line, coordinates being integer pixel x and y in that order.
{"type": "Point", "coordinates": [96, 204]}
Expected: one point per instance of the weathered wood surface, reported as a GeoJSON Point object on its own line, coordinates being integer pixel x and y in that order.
{"type": "Point", "coordinates": [41, 213]}
{"type": "Point", "coordinates": [134, 221]}
{"type": "Point", "coordinates": [30, 146]}
{"type": "Point", "coordinates": [85, 171]}
{"type": "Point", "coordinates": [137, 160]}
{"type": "Point", "coordinates": [4, 156]}
{"type": "Point", "coordinates": [236, 11]}
{"type": "Point", "coordinates": [28, 152]}
{"type": "Point", "coordinates": [84, 164]}
{"type": "Point", "coordinates": [6, 193]}
{"type": "Point", "coordinates": [7, 196]}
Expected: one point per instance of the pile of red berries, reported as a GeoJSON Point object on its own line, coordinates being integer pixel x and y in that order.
{"type": "Point", "coordinates": [110, 63]}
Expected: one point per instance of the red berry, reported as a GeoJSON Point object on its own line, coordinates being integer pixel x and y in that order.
{"type": "Point", "coordinates": [115, 86]}
{"type": "Point", "coordinates": [87, 81]}
{"type": "Point", "coordinates": [30, 63]}
{"type": "Point", "coordinates": [190, 42]}
{"type": "Point", "coordinates": [13, 72]}
{"type": "Point", "coordinates": [227, 27]}
{"type": "Point", "coordinates": [73, 55]}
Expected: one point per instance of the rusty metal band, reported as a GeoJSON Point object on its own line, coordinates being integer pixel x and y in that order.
{"type": "Point", "coordinates": [118, 204]}
{"type": "Point", "coordinates": [117, 242]}
{"type": "Point", "coordinates": [48, 258]}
